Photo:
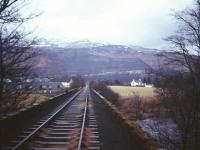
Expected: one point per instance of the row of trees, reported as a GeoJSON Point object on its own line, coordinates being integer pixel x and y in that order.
{"type": "Point", "coordinates": [77, 81]}
{"type": "Point", "coordinates": [15, 51]}
{"type": "Point", "coordinates": [104, 90]}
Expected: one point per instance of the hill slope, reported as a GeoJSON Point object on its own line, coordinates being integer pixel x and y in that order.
{"type": "Point", "coordinates": [93, 60]}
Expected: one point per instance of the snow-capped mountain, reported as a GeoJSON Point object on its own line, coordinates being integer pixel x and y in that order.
{"type": "Point", "coordinates": [83, 44]}
{"type": "Point", "coordinates": [93, 45]}
{"type": "Point", "coordinates": [69, 44]}
{"type": "Point", "coordinates": [92, 58]}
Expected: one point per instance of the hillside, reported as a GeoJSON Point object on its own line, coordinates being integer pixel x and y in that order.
{"type": "Point", "coordinates": [93, 60]}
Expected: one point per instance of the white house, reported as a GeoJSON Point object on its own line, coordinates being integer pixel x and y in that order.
{"type": "Point", "coordinates": [66, 84]}
{"type": "Point", "coordinates": [133, 83]}
{"type": "Point", "coordinates": [137, 83]}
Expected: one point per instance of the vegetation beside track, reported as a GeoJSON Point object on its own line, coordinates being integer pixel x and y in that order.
{"type": "Point", "coordinates": [136, 134]}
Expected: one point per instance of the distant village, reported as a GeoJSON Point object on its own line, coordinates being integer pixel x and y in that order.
{"type": "Point", "coordinates": [41, 85]}
{"type": "Point", "coordinates": [49, 86]}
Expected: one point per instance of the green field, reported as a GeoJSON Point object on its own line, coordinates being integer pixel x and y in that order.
{"type": "Point", "coordinates": [126, 91]}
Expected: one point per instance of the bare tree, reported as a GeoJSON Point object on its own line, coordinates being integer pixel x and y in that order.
{"type": "Point", "coordinates": [137, 105]}
{"type": "Point", "coordinates": [180, 90]}
{"type": "Point", "coordinates": [77, 81]}
{"type": "Point", "coordinates": [15, 52]}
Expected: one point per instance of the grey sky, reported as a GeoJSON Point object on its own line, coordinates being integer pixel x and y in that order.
{"type": "Point", "coordinates": [136, 22]}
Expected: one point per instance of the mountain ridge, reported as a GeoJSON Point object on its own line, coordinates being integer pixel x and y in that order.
{"type": "Point", "coordinates": [88, 44]}
{"type": "Point", "coordinates": [56, 60]}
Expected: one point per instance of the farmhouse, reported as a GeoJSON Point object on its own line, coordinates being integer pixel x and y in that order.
{"type": "Point", "coordinates": [140, 83]}
{"type": "Point", "coordinates": [137, 83]}
{"type": "Point", "coordinates": [66, 84]}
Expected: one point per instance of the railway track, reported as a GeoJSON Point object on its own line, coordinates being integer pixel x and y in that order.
{"type": "Point", "coordinates": [72, 126]}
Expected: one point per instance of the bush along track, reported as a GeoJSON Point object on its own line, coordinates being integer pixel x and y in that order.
{"type": "Point", "coordinates": [136, 133]}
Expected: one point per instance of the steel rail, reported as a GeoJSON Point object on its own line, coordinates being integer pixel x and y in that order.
{"type": "Point", "coordinates": [28, 137]}
{"type": "Point", "coordinates": [83, 125]}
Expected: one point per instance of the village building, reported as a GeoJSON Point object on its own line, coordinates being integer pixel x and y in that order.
{"type": "Point", "coordinates": [139, 83]}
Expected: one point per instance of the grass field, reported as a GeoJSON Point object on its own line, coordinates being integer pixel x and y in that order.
{"type": "Point", "coordinates": [127, 91]}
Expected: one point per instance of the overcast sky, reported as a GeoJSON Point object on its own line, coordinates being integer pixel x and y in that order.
{"type": "Point", "coordinates": [136, 22]}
